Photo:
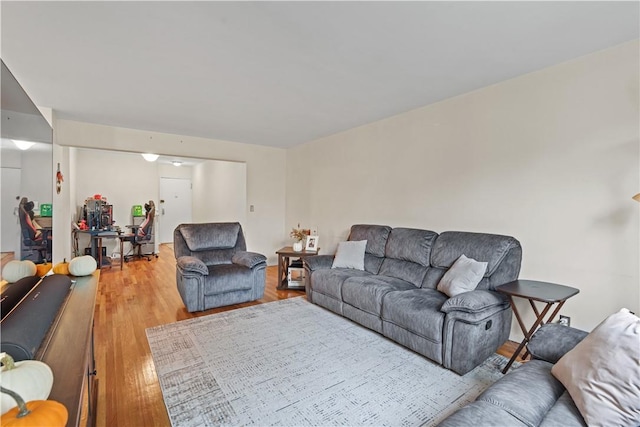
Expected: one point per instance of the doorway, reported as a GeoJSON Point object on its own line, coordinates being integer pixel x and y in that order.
{"type": "Point", "coordinates": [175, 206]}
{"type": "Point", "coordinates": [10, 230]}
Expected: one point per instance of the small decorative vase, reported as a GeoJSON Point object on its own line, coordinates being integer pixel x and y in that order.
{"type": "Point", "coordinates": [297, 246]}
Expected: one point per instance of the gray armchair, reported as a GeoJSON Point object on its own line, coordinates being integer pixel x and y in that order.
{"type": "Point", "coordinates": [213, 268]}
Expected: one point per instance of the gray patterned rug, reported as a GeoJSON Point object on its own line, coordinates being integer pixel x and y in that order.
{"type": "Point", "coordinates": [293, 363]}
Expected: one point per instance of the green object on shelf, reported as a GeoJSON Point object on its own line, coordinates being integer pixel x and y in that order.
{"type": "Point", "coordinates": [46, 209]}
{"type": "Point", "coordinates": [136, 210]}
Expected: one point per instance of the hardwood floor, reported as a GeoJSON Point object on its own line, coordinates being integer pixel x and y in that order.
{"type": "Point", "coordinates": [142, 295]}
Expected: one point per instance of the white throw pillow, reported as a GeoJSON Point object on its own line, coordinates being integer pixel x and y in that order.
{"type": "Point", "coordinates": [463, 276]}
{"type": "Point", "coordinates": [350, 255]}
{"type": "Point", "coordinates": [602, 372]}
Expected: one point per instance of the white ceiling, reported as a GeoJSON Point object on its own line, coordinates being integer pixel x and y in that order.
{"type": "Point", "coordinates": [284, 73]}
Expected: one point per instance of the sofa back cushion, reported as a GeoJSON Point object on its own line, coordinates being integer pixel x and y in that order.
{"type": "Point", "coordinates": [503, 255]}
{"type": "Point", "coordinates": [407, 254]}
{"type": "Point", "coordinates": [376, 237]}
{"type": "Point", "coordinates": [212, 243]}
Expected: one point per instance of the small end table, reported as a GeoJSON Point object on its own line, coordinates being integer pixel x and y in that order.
{"type": "Point", "coordinates": [548, 293]}
{"type": "Point", "coordinates": [283, 264]}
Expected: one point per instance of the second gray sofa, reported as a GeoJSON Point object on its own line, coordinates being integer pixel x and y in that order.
{"type": "Point", "coordinates": [529, 395]}
{"type": "Point", "coordinates": [396, 294]}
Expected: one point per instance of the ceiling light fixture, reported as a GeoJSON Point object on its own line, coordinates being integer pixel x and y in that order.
{"type": "Point", "coordinates": [23, 145]}
{"type": "Point", "coordinates": [150, 157]}
{"type": "Point", "coordinates": [176, 163]}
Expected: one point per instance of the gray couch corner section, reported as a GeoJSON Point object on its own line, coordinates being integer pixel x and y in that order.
{"type": "Point", "coordinates": [553, 340]}
{"type": "Point", "coordinates": [396, 293]}
{"type": "Point", "coordinates": [213, 267]}
{"type": "Point", "coordinates": [528, 395]}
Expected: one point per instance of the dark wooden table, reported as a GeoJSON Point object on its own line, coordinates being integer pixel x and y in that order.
{"type": "Point", "coordinates": [284, 254]}
{"type": "Point", "coordinates": [547, 293]}
{"type": "Point", "coordinates": [68, 350]}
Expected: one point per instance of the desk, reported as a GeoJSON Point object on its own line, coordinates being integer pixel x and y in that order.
{"type": "Point", "coordinates": [283, 263]}
{"type": "Point", "coordinates": [96, 237]}
{"type": "Point", "coordinates": [548, 293]}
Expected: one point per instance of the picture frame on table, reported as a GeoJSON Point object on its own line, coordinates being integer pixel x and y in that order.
{"type": "Point", "coordinates": [311, 244]}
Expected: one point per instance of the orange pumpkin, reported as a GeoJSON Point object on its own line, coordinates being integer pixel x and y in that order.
{"type": "Point", "coordinates": [62, 267]}
{"type": "Point", "coordinates": [41, 413]}
{"type": "Point", "coordinates": [42, 269]}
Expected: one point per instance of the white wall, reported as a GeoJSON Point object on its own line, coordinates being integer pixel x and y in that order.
{"type": "Point", "coordinates": [35, 168]}
{"type": "Point", "coordinates": [551, 158]}
{"type": "Point", "coordinates": [265, 173]}
{"type": "Point", "coordinates": [219, 190]}
{"type": "Point", "coordinates": [124, 179]}
{"type": "Point", "coordinates": [170, 171]}
{"type": "Point", "coordinates": [36, 175]}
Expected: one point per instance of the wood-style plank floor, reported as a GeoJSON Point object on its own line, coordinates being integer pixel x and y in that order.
{"type": "Point", "coordinates": [142, 295]}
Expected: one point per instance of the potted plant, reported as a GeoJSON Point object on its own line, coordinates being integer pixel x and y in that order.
{"type": "Point", "coordinates": [299, 235]}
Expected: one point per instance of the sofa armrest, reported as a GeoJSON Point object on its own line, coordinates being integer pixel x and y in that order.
{"type": "Point", "coordinates": [474, 302]}
{"type": "Point", "coordinates": [552, 341]}
{"type": "Point", "coordinates": [248, 259]}
{"type": "Point", "coordinates": [192, 264]}
{"type": "Point", "coordinates": [318, 262]}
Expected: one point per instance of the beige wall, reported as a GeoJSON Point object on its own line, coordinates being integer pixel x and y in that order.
{"type": "Point", "coordinates": [266, 168]}
{"type": "Point", "coordinates": [551, 158]}
{"type": "Point", "coordinates": [218, 192]}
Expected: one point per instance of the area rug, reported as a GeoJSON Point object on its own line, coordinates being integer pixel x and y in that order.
{"type": "Point", "coordinates": [293, 363]}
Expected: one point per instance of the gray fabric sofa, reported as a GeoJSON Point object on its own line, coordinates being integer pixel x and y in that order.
{"type": "Point", "coordinates": [396, 294]}
{"type": "Point", "coordinates": [213, 267]}
{"type": "Point", "coordinates": [528, 395]}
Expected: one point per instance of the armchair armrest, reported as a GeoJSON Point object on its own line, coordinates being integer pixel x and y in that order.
{"type": "Point", "coordinates": [474, 302]}
{"type": "Point", "coordinates": [193, 265]}
{"type": "Point", "coordinates": [552, 341]}
{"type": "Point", "coordinates": [318, 262]}
{"type": "Point", "coordinates": [248, 259]}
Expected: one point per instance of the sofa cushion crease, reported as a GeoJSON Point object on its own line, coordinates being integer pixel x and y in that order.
{"type": "Point", "coordinates": [330, 281]}
{"type": "Point", "coordinates": [417, 311]}
{"type": "Point", "coordinates": [366, 292]}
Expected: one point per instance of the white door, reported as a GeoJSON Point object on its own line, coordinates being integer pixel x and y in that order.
{"type": "Point", "coordinates": [10, 230]}
{"type": "Point", "coordinates": [175, 206]}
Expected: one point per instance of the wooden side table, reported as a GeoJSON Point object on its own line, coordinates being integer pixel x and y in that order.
{"type": "Point", "coordinates": [284, 254]}
{"type": "Point", "coordinates": [548, 293]}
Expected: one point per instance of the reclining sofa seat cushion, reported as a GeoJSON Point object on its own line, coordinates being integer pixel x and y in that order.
{"type": "Point", "coordinates": [325, 288]}
{"type": "Point", "coordinates": [224, 278]}
{"type": "Point", "coordinates": [405, 263]}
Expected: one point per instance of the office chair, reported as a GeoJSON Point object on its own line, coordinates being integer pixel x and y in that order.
{"type": "Point", "coordinates": [141, 234]}
{"type": "Point", "coordinates": [35, 243]}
